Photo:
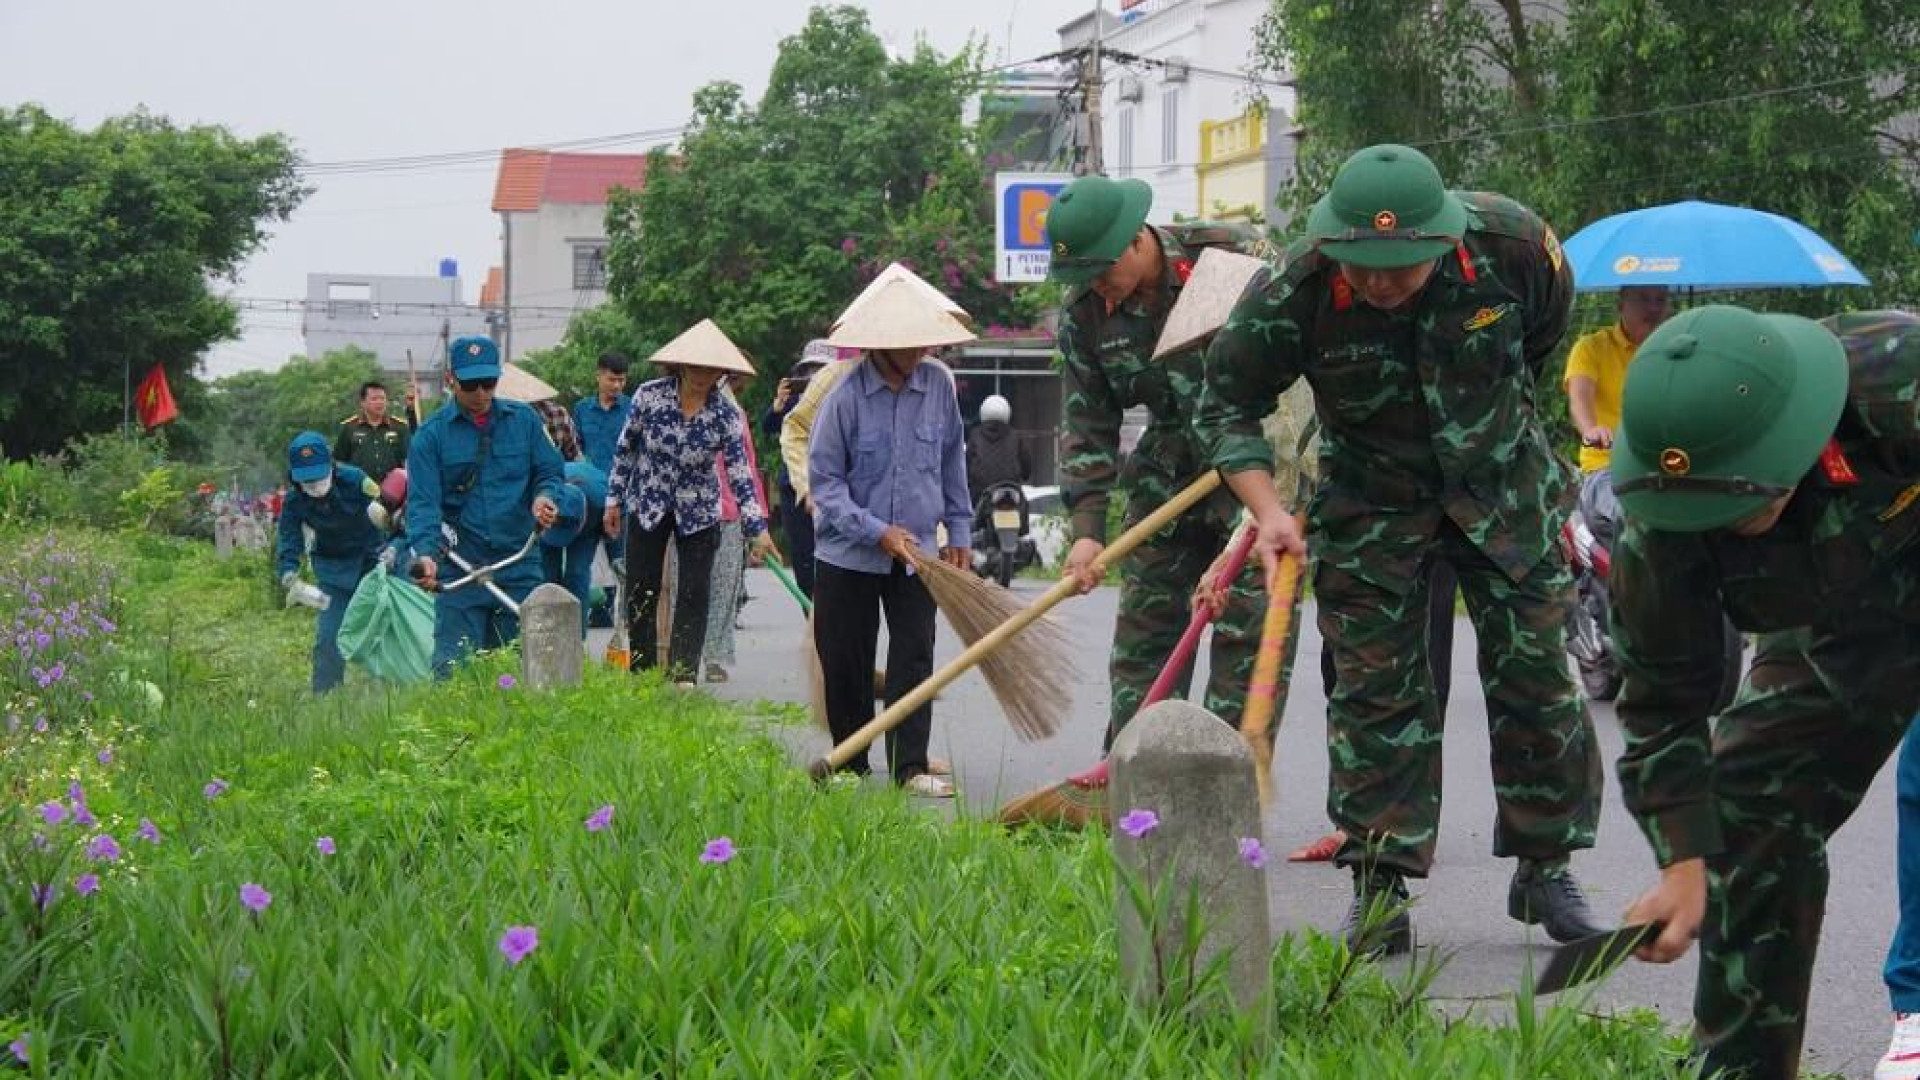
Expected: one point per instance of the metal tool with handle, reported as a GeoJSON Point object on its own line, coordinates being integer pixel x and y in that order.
{"type": "Point", "coordinates": [483, 575]}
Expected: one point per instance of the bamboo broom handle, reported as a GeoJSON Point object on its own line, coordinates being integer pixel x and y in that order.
{"type": "Point", "coordinates": [858, 742]}
{"type": "Point", "coordinates": [1263, 691]}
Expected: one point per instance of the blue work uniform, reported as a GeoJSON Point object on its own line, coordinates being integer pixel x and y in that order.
{"type": "Point", "coordinates": [482, 481]}
{"type": "Point", "coordinates": [345, 547]}
{"type": "Point", "coordinates": [571, 567]}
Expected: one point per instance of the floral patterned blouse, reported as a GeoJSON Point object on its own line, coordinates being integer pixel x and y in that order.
{"type": "Point", "coordinates": [663, 462]}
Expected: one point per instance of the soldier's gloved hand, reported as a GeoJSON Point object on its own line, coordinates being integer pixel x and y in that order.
{"type": "Point", "coordinates": [1680, 901]}
{"type": "Point", "coordinates": [1081, 566]}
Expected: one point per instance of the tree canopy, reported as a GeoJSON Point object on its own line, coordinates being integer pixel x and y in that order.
{"type": "Point", "coordinates": [250, 417]}
{"type": "Point", "coordinates": [109, 240]}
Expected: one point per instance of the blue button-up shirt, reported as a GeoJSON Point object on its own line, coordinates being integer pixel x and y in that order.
{"type": "Point", "coordinates": [599, 427]}
{"type": "Point", "coordinates": [878, 457]}
{"type": "Point", "coordinates": [664, 462]}
{"type": "Point", "coordinates": [483, 483]}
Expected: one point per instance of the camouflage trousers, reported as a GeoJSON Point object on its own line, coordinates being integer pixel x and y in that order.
{"type": "Point", "coordinates": [1792, 757]}
{"type": "Point", "coordinates": [1156, 590]}
{"type": "Point", "coordinates": [1384, 724]}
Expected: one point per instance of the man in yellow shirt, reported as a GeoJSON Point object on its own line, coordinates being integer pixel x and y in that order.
{"type": "Point", "coordinates": [1597, 369]}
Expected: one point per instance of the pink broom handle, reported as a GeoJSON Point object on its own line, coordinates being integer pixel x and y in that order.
{"type": "Point", "coordinates": [1237, 552]}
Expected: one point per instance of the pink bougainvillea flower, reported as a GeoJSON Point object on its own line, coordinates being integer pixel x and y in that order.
{"type": "Point", "coordinates": [719, 850]}
{"type": "Point", "coordinates": [254, 898]}
{"type": "Point", "coordinates": [1138, 823]}
{"type": "Point", "coordinates": [517, 942]}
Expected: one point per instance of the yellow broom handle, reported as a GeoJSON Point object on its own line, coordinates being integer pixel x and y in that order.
{"type": "Point", "coordinates": [858, 742]}
{"type": "Point", "coordinates": [1264, 690]}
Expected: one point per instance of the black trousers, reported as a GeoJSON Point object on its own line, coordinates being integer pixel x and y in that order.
{"type": "Point", "coordinates": [646, 558]}
{"type": "Point", "coordinates": [847, 606]}
{"type": "Point", "coordinates": [797, 523]}
{"type": "Point", "coordinates": [1442, 580]}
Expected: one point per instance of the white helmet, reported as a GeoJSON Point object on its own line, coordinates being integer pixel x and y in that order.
{"type": "Point", "coordinates": [995, 408]}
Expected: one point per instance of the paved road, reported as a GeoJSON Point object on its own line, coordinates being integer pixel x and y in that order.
{"type": "Point", "coordinates": [1460, 909]}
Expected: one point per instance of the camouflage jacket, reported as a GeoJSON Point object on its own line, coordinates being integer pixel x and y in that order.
{"type": "Point", "coordinates": [1426, 413]}
{"type": "Point", "coordinates": [1841, 571]}
{"type": "Point", "coordinates": [1108, 367]}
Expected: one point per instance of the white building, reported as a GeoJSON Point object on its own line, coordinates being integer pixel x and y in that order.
{"type": "Point", "coordinates": [553, 239]}
{"type": "Point", "coordinates": [390, 315]}
{"type": "Point", "coordinates": [1152, 113]}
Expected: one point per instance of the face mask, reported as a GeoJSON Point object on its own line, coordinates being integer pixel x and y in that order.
{"type": "Point", "coordinates": [318, 488]}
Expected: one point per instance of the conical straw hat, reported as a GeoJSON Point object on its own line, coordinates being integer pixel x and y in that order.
{"type": "Point", "coordinates": [897, 272]}
{"type": "Point", "coordinates": [704, 345]}
{"type": "Point", "coordinates": [519, 384]}
{"type": "Point", "coordinates": [900, 315]}
{"type": "Point", "coordinates": [1207, 299]}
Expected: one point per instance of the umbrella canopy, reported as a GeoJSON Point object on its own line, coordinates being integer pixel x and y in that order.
{"type": "Point", "coordinates": [1704, 245]}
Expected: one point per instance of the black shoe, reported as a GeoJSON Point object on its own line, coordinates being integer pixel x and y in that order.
{"type": "Point", "coordinates": [1377, 924]}
{"type": "Point", "coordinates": [1544, 894]}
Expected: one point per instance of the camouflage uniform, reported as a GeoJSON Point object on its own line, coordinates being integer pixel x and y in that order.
{"type": "Point", "coordinates": [1431, 449]}
{"type": "Point", "coordinates": [1833, 593]}
{"type": "Point", "coordinates": [1108, 367]}
{"type": "Point", "coordinates": [376, 450]}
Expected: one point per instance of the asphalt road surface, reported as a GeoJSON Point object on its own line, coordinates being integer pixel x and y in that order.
{"type": "Point", "coordinates": [1461, 909]}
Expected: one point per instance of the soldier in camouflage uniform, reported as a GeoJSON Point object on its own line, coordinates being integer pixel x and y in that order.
{"type": "Point", "coordinates": [1421, 318]}
{"type": "Point", "coordinates": [1125, 276]}
{"type": "Point", "coordinates": [1770, 471]}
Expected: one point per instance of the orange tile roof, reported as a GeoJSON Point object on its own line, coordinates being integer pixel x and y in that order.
{"type": "Point", "coordinates": [529, 178]}
{"type": "Point", "coordinates": [494, 288]}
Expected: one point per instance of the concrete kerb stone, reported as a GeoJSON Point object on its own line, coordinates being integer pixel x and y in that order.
{"type": "Point", "coordinates": [552, 652]}
{"type": "Point", "coordinates": [1192, 772]}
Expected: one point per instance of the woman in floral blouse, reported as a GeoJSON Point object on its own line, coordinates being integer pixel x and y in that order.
{"type": "Point", "coordinates": [664, 485]}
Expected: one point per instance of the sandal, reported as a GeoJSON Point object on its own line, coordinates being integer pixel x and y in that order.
{"type": "Point", "coordinates": [929, 786]}
{"type": "Point", "coordinates": [939, 766]}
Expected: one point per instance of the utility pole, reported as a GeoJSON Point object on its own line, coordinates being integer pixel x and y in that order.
{"type": "Point", "coordinates": [1092, 90]}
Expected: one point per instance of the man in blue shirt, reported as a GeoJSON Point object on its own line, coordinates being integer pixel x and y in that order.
{"type": "Point", "coordinates": [599, 419]}
{"type": "Point", "coordinates": [326, 514]}
{"type": "Point", "coordinates": [888, 465]}
{"type": "Point", "coordinates": [485, 467]}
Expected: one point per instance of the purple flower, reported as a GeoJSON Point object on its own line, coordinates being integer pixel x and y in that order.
{"type": "Point", "coordinates": [719, 850]}
{"type": "Point", "coordinates": [517, 942]}
{"type": "Point", "coordinates": [52, 812]}
{"type": "Point", "coordinates": [19, 1048]}
{"type": "Point", "coordinates": [42, 639]}
{"type": "Point", "coordinates": [105, 756]}
{"type": "Point", "coordinates": [42, 896]}
{"type": "Point", "coordinates": [41, 843]}
{"type": "Point", "coordinates": [1252, 853]}
{"type": "Point", "coordinates": [87, 884]}
{"type": "Point", "coordinates": [103, 848]}
{"type": "Point", "coordinates": [600, 818]}
{"type": "Point", "coordinates": [76, 792]}
{"type": "Point", "coordinates": [254, 898]}
{"type": "Point", "coordinates": [40, 725]}
{"type": "Point", "coordinates": [847, 245]}
{"type": "Point", "coordinates": [506, 682]}
{"type": "Point", "coordinates": [82, 816]}
{"type": "Point", "coordinates": [324, 845]}
{"type": "Point", "coordinates": [215, 788]}
{"type": "Point", "coordinates": [1138, 823]}
{"type": "Point", "coordinates": [148, 831]}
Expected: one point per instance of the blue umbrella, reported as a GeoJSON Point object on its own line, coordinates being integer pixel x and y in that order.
{"type": "Point", "coordinates": [1704, 245]}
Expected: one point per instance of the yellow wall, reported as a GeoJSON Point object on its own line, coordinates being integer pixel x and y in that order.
{"type": "Point", "coordinates": [1233, 165]}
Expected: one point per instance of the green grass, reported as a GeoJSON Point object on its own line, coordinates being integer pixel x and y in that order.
{"type": "Point", "coordinates": [852, 935]}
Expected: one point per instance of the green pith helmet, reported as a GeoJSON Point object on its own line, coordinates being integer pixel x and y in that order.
{"type": "Point", "coordinates": [1090, 224]}
{"type": "Point", "coordinates": [1387, 208]}
{"type": "Point", "coordinates": [1724, 410]}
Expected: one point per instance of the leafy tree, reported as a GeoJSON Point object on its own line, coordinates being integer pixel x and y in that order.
{"type": "Point", "coordinates": [569, 366]}
{"type": "Point", "coordinates": [253, 415]}
{"type": "Point", "coordinates": [108, 241]}
{"type": "Point", "coordinates": [773, 214]}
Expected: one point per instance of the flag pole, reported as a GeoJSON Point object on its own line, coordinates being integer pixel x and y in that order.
{"type": "Point", "coordinates": [126, 401]}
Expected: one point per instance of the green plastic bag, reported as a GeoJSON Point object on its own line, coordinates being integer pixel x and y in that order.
{"type": "Point", "coordinates": [388, 629]}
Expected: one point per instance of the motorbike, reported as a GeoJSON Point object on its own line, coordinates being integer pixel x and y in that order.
{"type": "Point", "coordinates": [1587, 539]}
{"type": "Point", "coordinates": [1005, 544]}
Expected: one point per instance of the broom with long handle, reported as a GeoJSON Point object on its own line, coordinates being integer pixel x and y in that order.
{"type": "Point", "coordinates": [1264, 690]}
{"type": "Point", "coordinates": [1071, 802]}
{"type": "Point", "coordinates": [858, 742]}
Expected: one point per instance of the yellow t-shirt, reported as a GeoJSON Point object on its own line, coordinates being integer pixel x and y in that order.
{"type": "Point", "coordinates": [1602, 356]}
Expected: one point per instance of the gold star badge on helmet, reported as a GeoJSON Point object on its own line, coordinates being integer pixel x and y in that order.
{"type": "Point", "coordinates": [306, 451]}
{"type": "Point", "coordinates": [1385, 220]}
{"type": "Point", "coordinates": [1675, 462]}
{"type": "Point", "coordinates": [1060, 249]}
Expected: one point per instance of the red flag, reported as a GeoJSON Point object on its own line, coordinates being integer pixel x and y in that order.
{"type": "Point", "coordinates": [153, 401]}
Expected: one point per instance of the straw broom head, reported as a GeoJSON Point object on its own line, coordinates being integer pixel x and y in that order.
{"type": "Point", "coordinates": [1031, 681]}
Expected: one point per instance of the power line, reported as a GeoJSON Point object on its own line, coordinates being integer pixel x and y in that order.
{"type": "Point", "coordinates": [405, 162]}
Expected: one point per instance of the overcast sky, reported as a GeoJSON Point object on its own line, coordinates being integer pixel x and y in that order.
{"type": "Point", "coordinates": [357, 79]}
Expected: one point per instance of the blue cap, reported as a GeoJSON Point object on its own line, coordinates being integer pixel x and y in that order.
{"type": "Point", "coordinates": [572, 517]}
{"type": "Point", "coordinates": [308, 458]}
{"type": "Point", "coordinates": [474, 358]}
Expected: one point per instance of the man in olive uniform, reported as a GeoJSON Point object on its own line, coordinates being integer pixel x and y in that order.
{"type": "Point", "coordinates": [1422, 317]}
{"type": "Point", "coordinates": [1770, 471]}
{"type": "Point", "coordinates": [1125, 276]}
{"type": "Point", "coordinates": [370, 440]}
